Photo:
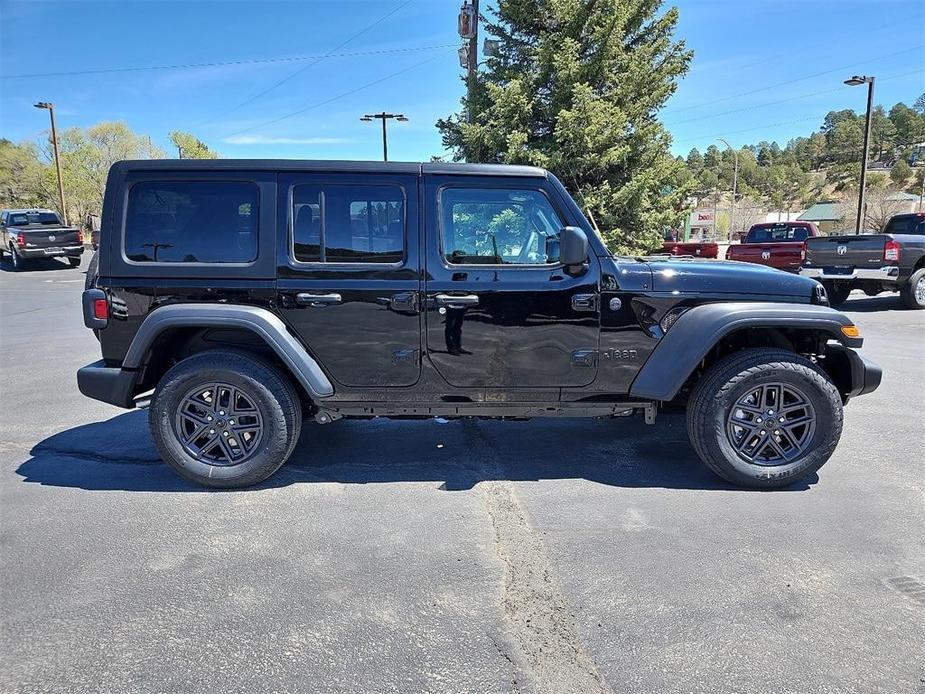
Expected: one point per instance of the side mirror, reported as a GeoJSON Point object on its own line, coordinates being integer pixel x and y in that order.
{"type": "Point", "coordinates": [573, 246]}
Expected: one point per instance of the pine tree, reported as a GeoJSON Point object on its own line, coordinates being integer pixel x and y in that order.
{"type": "Point", "coordinates": [576, 87]}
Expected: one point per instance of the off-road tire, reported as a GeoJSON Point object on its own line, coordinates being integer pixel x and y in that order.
{"type": "Point", "coordinates": [270, 389]}
{"type": "Point", "coordinates": [720, 388]}
{"type": "Point", "coordinates": [908, 295]}
{"type": "Point", "coordinates": [837, 292]}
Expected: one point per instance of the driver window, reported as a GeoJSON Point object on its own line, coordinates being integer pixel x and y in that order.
{"type": "Point", "coordinates": [490, 226]}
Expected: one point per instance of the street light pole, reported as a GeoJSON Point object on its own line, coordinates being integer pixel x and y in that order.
{"type": "Point", "coordinates": [855, 81]}
{"type": "Point", "coordinates": [54, 144]}
{"type": "Point", "coordinates": [369, 117]}
{"type": "Point", "coordinates": [735, 184]}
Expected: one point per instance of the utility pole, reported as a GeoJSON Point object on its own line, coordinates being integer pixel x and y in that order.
{"type": "Point", "coordinates": [54, 144]}
{"type": "Point", "coordinates": [855, 81]}
{"type": "Point", "coordinates": [735, 184]}
{"type": "Point", "coordinates": [473, 61]}
{"type": "Point", "coordinates": [370, 117]}
{"type": "Point", "coordinates": [179, 152]}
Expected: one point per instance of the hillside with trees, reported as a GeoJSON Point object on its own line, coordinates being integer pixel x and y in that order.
{"type": "Point", "coordinates": [824, 165]}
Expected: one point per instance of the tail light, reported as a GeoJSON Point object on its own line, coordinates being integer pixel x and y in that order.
{"type": "Point", "coordinates": [803, 252]}
{"type": "Point", "coordinates": [101, 309]}
{"type": "Point", "coordinates": [891, 251]}
{"type": "Point", "coordinates": [21, 240]}
{"type": "Point", "coordinates": [80, 238]}
{"type": "Point", "coordinates": [728, 252]}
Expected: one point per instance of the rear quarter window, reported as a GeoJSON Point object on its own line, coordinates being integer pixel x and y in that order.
{"type": "Point", "coordinates": [192, 222]}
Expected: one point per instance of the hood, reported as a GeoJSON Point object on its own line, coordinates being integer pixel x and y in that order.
{"type": "Point", "coordinates": [725, 277]}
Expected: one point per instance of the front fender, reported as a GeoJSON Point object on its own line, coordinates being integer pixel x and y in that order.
{"type": "Point", "coordinates": [698, 329]}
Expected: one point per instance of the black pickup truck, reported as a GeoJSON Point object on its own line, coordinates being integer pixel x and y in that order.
{"type": "Point", "coordinates": [238, 298]}
{"type": "Point", "coordinates": [33, 233]}
{"type": "Point", "coordinates": [891, 261]}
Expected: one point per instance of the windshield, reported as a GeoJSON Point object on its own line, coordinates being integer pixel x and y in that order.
{"type": "Point", "coordinates": [18, 219]}
{"type": "Point", "coordinates": [907, 224]}
{"type": "Point", "coordinates": [777, 232]}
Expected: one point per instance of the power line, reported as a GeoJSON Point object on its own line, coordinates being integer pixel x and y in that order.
{"type": "Point", "coordinates": [335, 98]}
{"type": "Point", "coordinates": [783, 101]}
{"type": "Point", "coordinates": [798, 79]}
{"type": "Point", "coordinates": [746, 130]}
{"type": "Point", "coordinates": [311, 64]}
{"type": "Point", "coordinates": [252, 61]}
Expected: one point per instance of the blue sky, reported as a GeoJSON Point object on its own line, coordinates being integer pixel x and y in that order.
{"type": "Point", "coordinates": [763, 69]}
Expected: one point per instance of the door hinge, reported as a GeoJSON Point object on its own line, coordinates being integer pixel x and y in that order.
{"type": "Point", "coordinates": [584, 357]}
{"type": "Point", "coordinates": [584, 302]}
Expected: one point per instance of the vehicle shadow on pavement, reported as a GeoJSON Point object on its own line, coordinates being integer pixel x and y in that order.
{"type": "Point", "coordinates": [873, 304]}
{"type": "Point", "coordinates": [117, 454]}
{"type": "Point", "coordinates": [36, 265]}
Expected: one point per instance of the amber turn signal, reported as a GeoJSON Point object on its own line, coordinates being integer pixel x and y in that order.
{"type": "Point", "coordinates": [850, 331]}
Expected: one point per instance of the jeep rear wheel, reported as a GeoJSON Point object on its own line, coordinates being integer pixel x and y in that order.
{"type": "Point", "coordinates": [225, 418]}
{"type": "Point", "coordinates": [764, 418]}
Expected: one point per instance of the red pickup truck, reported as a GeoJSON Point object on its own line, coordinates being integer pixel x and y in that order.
{"type": "Point", "coordinates": [699, 249]}
{"type": "Point", "coordinates": [775, 244]}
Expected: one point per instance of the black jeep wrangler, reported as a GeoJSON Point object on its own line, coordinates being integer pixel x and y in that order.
{"type": "Point", "coordinates": [239, 298]}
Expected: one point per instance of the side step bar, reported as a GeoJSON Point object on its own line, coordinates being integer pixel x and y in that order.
{"type": "Point", "coordinates": [514, 410]}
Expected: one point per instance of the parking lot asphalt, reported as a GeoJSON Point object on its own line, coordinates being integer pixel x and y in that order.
{"type": "Point", "coordinates": [477, 556]}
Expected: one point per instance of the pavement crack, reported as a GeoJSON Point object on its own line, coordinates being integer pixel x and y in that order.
{"type": "Point", "coordinates": [537, 616]}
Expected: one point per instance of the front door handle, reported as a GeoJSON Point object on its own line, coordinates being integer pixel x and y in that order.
{"type": "Point", "coordinates": [584, 302]}
{"type": "Point", "coordinates": [464, 300]}
{"type": "Point", "coordinates": [309, 299]}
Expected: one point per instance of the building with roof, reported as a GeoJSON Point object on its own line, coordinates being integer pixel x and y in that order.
{"type": "Point", "coordinates": [826, 215]}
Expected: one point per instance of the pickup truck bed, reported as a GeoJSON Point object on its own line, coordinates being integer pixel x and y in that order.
{"type": "Point", "coordinates": [777, 245]}
{"type": "Point", "coordinates": [41, 236]}
{"type": "Point", "coordinates": [871, 262]}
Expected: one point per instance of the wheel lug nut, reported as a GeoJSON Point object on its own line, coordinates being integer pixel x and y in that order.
{"type": "Point", "coordinates": [209, 418]}
{"type": "Point", "coordinates": [231, 422]}
{"type": "Point", "coordinates": [782, 419]}
{"type": "Point", "coordinates": [224, 433]}
{"type": "Point", "coordinates": [211, 431]}
{"type": "Point", "coordinates": [758, 419]}
{"type": "Point", "coordinates": [222, 413]}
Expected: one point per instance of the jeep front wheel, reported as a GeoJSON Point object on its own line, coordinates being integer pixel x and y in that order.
{"type": "Point", "coordinates": [764, 418]}
{"type": "Point", "coordinates": [225, 418]}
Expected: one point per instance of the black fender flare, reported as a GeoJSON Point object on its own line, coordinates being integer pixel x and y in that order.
{"type": "Point", "coordinates": [265, 324]}
{"type": "Point", "coordinates": [698, 329]}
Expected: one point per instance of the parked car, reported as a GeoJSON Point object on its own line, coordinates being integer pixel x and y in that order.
{"type": "Point", "coordinates": [34, 233]}
{"type": "Point", "coordinates": [776, 244]}
{"type": "Point", "coordinates": [674, 245]}
{"type": "Point", "coordinates": [240, 297]}
{"type": "Point", "coordinates": [892, 261]}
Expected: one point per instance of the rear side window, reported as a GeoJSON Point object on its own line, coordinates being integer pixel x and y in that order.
{"type": "Point", "coordinates": [192, 222]}
{"type": "Point", "coordinates": [778, 232]}
{"type": "Point", "coordinates": [348, 224]}
{"type": "Point", "coordinates": [911, 224]}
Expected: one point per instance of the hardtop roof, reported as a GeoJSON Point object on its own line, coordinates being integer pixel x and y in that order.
{"type": "Point", "coordinates": [321, 165]}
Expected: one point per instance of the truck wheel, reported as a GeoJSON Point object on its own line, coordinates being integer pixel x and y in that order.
{"type": "Point", "coordinates": [913, 293]}
{"type": "Point", "coordinates": [764, 418]}
{"type": "Point", "coordinates": [225, 418]}
{"type": "Point", "coordinates": [17, 260]}
{"type": "Point", "coordinates": [837, 292]}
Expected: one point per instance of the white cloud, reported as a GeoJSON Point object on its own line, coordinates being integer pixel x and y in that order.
{"type": "Point", "coordinates": [268, 140]}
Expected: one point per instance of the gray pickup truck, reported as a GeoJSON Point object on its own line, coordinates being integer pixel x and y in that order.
{"type": "Point", "coordinates": [34, 233]}
{"type": "Point", "coordinates": [892, 261]}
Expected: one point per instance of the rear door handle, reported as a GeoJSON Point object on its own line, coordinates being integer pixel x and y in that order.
{"type": "Point", "coordinates": [464, 300]}
{"type": "Point", "coordinates": [309, 299]}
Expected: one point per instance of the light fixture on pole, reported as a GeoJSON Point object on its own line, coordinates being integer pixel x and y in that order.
{"type": "Point", "coordinates": [735, 184]}
{"type": "Point", "coordinates": [856, 81]}
{"type": "Point", "coordinates": [370, 117]}
{"type": "Point", "coordinates": [54, 145]}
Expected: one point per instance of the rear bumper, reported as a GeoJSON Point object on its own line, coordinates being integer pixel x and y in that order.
{"type": "Point", "coordinates": [69, 251]}
{"type": "Point", "coordinates": [888, 273]}
{"type": "Point", "coordinates": [107, 384]}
